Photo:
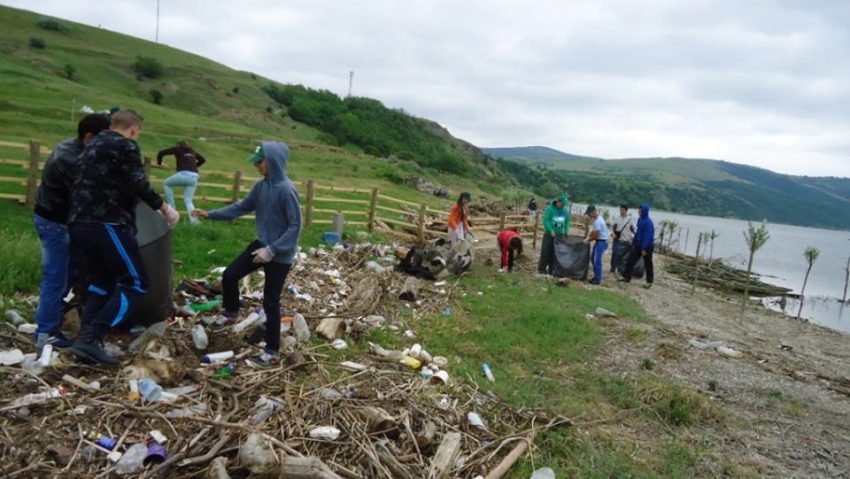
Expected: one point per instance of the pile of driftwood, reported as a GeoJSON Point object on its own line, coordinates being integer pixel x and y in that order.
{"type": "Point", "coordinates": [326, 412]}
{"type": "Point", "coordinates": [720, 276]}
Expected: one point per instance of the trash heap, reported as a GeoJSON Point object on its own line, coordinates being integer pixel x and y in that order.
{"type": "Point", "coordinates": [340, 405]}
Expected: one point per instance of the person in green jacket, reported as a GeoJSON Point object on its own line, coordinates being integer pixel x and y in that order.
{"type": "Point", "coordinates": [556, 224]}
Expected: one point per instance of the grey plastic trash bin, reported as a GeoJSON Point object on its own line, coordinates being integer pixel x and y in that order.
{"type": "Point", "coordinates": [155, 247]}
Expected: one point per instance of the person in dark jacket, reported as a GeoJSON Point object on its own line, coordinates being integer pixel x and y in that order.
{"type": "Point", "coordinates": [278, 220]}
{"type": "Point", "coordinates": [187, 176]}
{"type": "Point", "coordinates": [102, 224]}
{"type": "Point", "coordinates": [642, 247]}
{"type": "Point", "coordinates": [51, 222]}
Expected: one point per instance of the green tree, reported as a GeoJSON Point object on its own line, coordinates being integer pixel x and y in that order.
{"type": "Point", "coordinates": [156, 96]}
{"type": "Point", "coordinates": [70, 70]}
{"type": "Point", "coordinates": [148, 67]}
{"type": "Point", "coordinates": [37, 42]}
{"type": "Point", "coordinates": [811, 254]}
{"type": "Point", "coordinates": [756, 239]}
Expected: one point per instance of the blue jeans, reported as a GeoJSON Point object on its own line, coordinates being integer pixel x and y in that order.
{"type": "Point", "coordinates": [189, 181]}
{"type": "Point", "coordinates": [54, 274]}
{"type": "Point", "coordinates": [599, 249]}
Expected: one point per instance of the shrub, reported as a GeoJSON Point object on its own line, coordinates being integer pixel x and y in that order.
{"type": "Point", "coordinates": [148, 67]}
{"type": "Point", "coordinates": [69, 71]}
{"type": "Point", "coordinates": [156, 96]}
{"type": "Point", "coordinates": [51, 24]}
{"type": "Point", "coordinates": [236, 89]}
{"type": "Point", "coordinates": [37, 42]}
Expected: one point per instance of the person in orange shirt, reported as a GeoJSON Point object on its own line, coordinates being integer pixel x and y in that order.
{"type": "Point", "coordinates": [459, 218]}
{"type": "Point", "coordinates": [510, 246]}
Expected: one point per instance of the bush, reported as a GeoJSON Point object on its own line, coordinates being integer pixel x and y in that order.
{"type": "Point", "coordinates": [156, 96]}
{"type": "Point", "coordinates": [69, 71]}
{"type": "Point", "coordinates": [51, 24]}
{"type": "Point", "coordinates": [37, 42]}
{"type": "Point", "coordinates": [236, 89]}
{"type": "Point", "coordinates": [148, 67]}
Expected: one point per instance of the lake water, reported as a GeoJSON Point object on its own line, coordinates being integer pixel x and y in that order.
{"type": "Point", "coordinates": [780, 261]}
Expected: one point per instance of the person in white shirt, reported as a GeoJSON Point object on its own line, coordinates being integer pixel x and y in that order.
{"type": "Point", "coordinates": [598, 233]}
{"type": "Point", "coordinates": [622, 232]}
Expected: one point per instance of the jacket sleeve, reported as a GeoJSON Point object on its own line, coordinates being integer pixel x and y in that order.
{"type": "Point", "coordinates": [454, 216]}
{"type": "Point", "coordinates": [165, 152]}
{"type": "Point", "coordinates": [548, 225]}
{"type": "Point", "coordinates": [201, 159]}
{"type": "Point", "coordinates": [648, 236]}
{"type": "Point", "coordinates": [134, 177]}
{"type": "Point", "coordinates": [287, 243]}
{"type": "Point", "coordinates": [240, 208]}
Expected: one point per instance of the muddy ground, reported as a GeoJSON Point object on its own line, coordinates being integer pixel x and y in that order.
{"type": "Point", "coordinates": [786, 399]}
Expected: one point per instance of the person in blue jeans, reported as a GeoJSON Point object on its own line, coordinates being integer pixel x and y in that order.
{"type": "Point", "coordinates": [187, 176]}
{"type": "Point", "coordinates": [598, 233]}
{"type": "Point", "coordinates": [58, 263]}
{"type": "Point", "coordinates": [275, 203]}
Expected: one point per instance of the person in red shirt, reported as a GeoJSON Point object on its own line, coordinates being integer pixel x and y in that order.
{"type": "Point", "coordinates": [510, 247]}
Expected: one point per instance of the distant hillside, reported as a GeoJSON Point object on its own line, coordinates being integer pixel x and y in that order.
{"type": "Point", "coordinates": [697, 186]}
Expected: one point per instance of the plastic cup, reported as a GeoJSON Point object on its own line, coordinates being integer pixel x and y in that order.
{"type": "Point", "coordinates": [156, 454]}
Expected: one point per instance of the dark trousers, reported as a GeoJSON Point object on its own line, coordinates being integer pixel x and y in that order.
{"type": "Point", "coordinates": [118, 280]}
{"type": "Point", "coordinates": [634, 256]}
{"type": "Point", "coordinates": [547, 255]}
{"type": "Point", "coordinates": [276, 273]}
{"type": "Point", "coordinates": [615, 258]}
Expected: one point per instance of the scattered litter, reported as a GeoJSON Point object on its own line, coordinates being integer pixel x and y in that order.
{"type": "Point", "coordinates": [412, 363]}
{"type": "Point", "coordinates": [36, 398]}
{"type": "Point", "coordinates": [132, 460]}
{"type": "Point", "coordinates": [150, 390]}
{"type": "Point", "coordinates": [486, 368]}
{"type": "Point", "coordinates": [339, 344]}
{"type": "Point", "coordinates": [732, 353]}
{"type": "Point", "coordinates": [353, 366]}
{"type": "Point", "coordinates": [604, 313]}
{"type": "Point", "coordinates": [703, 345]}
{"type": "Point", "coordinates": [543, 473]}
{"type": "Point", "coordinates": [330, 394]}
{"type": "Point", "coordinates": [409, 334]}
{"type": "Point", "coordinates": [158, 437]}
{"type": "Point", "coordinates": [27, 328]}
{"type": "Point", "coordinates": [10, 357]}
{"type": "Point", "coordinates": [325, 432]}
{"type": "Point", "coordinates": [440, 377]}
{"type": "Point", "coordinates": [199, 337]}
{"type": "Point", "coordinates": [15, 317]}
{"type": "Point", "coordinates": [156, 454]}
{"type": "Point", "coordinates": [375, 267]}
{"type": "Point", "coordinates": [155, 331]}
{"type": "Point", "coordinates": [475, 420]}
{"type": "Point", "coordinates": [302, 330]}
{"type": "Point", "coordinates": [786, 347]}
{"type": "Point", "coordinates": [214, 357]}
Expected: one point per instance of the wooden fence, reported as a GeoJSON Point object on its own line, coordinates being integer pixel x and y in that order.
{"type": "Point", "coordinates": [366, 208]}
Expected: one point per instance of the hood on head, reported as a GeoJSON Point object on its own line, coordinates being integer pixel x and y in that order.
{"type": "Point", "coordinates": [564, 199]}
{"type": "Point", "coordinates": [644, 209]}
{"type": "Point", "coordinates": [277, 156]}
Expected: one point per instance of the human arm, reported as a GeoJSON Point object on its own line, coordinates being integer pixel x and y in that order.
{"type": "Point", "coordinates": [133, 173]}
{"type": "Point", "coordinates": [200, 159]}
{"type": "Point", "coordinates": [165, 152]}
{"type": "Point", "coordinates": [240, 208]}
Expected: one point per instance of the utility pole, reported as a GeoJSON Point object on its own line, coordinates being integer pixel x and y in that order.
{"type": "Point", "coordinates": [157, 22]}
{"type": "Point", "coordinates": [350, 82]}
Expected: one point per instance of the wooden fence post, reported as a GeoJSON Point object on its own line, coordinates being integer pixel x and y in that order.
{"type": "Point", "coordinates": [372, 207]}
{"type": "Point", "coordinates": [147, 167]}
{"type": "Point", "coordinates": [308, 210]}
{"type": "Point", "coordinates": [237, 184]}
{"type": "Point", "coordinates": [536, 227]}
{"type": "Point", "coordinates": [32, 174]}
{"type": "Point", "coordinates": [502, 222]}
{"type": "Point", "coordinates": [421, 234]}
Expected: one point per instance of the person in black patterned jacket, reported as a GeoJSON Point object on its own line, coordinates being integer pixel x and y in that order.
{"type": "Point", "coordinates": [110, 181]}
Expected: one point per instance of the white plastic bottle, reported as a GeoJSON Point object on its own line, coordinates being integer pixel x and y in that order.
{"type": "Point", "coordinates": [199, 337]}
{"type": "Point", "coordinates": [302, 331]}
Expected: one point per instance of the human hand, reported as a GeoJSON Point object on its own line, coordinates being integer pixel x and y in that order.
{"type": "Point", "coordinates": [262, 255]}
{"type": "Point", "coordinates": [554, 235]}
{"type": "Point", "coordinates": [199, 213]}
{"type": "Point", "coordinates": [643, 253]}
{"type": "Point", "coordinates": [172, 217]}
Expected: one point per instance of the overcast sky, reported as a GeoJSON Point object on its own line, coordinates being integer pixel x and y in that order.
{"type": "Point", "coordinates": [761, 82]}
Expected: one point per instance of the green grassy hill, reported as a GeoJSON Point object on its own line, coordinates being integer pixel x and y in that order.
{"type": "Point", "coordinates": [697, 186]}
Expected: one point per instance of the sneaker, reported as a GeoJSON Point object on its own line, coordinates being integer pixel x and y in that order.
{"type": "Point", "coordinates": [593, 281]}
{"type": "Point", "coordinates": [542, 275]}
{"type": "Point", "coordinates": [57, 340]}
{"type": "Point", "coordinates": [92, 353]}
{"type": "Point", "coordinates": [647, 286]}
{"type": "Point", "coordinates": [265, 360]}
{"type": "Point", "coordinates": [222, 321]}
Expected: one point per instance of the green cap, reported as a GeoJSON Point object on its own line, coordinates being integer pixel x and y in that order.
{"type": "Point", "coordinates": [258, 156]}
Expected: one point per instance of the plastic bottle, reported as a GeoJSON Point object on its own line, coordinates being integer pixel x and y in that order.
{"type": "Point", "coordinates": [46, 354]}
{"type": "Point", "coordinates": [255, 316]}
{"type": "Point", "coordinates": [132, 460]}
{"type": "Point", "coordinates": [265, 408]}
{"type": "Point", "coordinates": [543, 473]}
{"type": "Point", "coordinates": [213, 357]}
{"type": "Point", "coordinates": [302, 331]}
{"type": "Point", "coordinates": [199, 337]}
{"type": "Point", "coordinates": [486, 368]}
{"type": "Point", "coordinates": [155, 331]}
{"type": "Point", "coordinates": [15, 317]}
{"type": "Point", "coordinates": [149, 390]}
{"type": "Point", "coordinates": [209, 305]}
{"type": "Point", "coordinates": [225, 372]}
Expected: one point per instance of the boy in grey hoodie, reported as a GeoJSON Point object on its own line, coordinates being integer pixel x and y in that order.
{"type": "Point", "coordinates": [278, 218]}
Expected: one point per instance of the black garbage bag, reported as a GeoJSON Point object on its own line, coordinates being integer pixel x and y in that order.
{"type": "Point", "coordinates": [625, 249]}
{"type": "Point", "coordinates": [572, 258]}
{"type": "Point", "coordinates": [155, 248]}
{"type": "Point", "coordinates": [438, 259]}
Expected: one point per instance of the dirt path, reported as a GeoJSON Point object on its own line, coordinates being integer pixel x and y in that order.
{"type": "Point", "coordinates": [788, 394]}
